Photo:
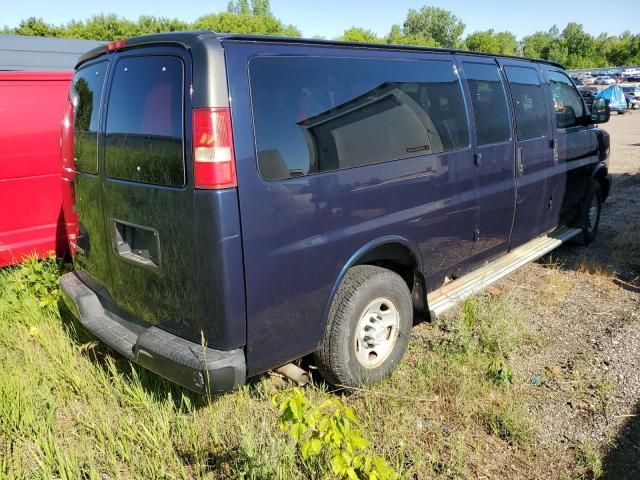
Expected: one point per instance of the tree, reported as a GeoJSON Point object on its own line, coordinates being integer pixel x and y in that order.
{"type": "Point", "coordinates": [35, 27]}
{"type": "Point", "coordinates": [434, 23]}
{"type": "Point", "coordinates": [491, 42]}
{"type": "Point", "coordinates": [358, 34]}
{"type": "Point", "coordinates": [537, 45]}
{"type": "Point", "coordinates": [397, 37]}
{"type": "Point", "coordinates": [581, 47]}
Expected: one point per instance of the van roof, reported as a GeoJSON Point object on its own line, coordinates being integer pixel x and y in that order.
{"type": "Point", "coordinates": [189, 38]}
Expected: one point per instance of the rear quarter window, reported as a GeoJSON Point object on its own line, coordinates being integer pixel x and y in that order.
{"type": "Point", "coordinates": [86, 94]}
{"type": "Point", "coordinates": [318, 114]}
{"type": "Point", "coordinates": [144, 128]}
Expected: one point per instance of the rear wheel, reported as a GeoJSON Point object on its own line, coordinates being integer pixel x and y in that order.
{"type": "Point", "coordinates": [591, 210]}
{"type": "Point", "coordinates": [368, 327]}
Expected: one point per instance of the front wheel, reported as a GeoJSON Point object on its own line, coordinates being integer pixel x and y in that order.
{"type": "Point", "coordinates": [591, 210]}
{"type": "Point", "coordinates": [368, 327]}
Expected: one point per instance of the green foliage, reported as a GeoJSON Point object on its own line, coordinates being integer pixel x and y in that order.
{"type": "Point", "coordinates": [36, 279]}
{"type": "Point", "coordinates": [436, 23]}
{"type": "Point", "coordinates": [490, 41]}
{"type": "Point", "coordinates": [357, 34]}
{"type": "Point", "coordinates": [500, 371]}
{"type": "Point", "coordinates": [330, 431]}
{"type": "Point", "coordinates": [241, 16]}
{"type": "Point", "coordinates": [428, 26]}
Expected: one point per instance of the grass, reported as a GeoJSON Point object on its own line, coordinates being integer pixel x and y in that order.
{"type": "Point", "coordinates": [626, 245]}
{"type": "Point", "coordinates": [71, 408]}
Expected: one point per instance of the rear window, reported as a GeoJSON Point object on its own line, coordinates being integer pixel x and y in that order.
{"type": "Point", "coordinates": [144, 131]}
{"type": "Point", "coordinates": [86, 92]}
{"type": "Point", "coordinates": [316, 114]}
{"type": "Point", "coordinates": [529, 103]}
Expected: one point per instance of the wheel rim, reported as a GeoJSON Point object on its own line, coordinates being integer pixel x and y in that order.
{"type": "Point", "coordinates": [592, 217]}
{"type": "Point", "coordinates": [377, 332]}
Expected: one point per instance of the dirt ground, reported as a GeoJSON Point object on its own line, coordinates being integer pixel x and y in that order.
{"type": "Point", "coordinates": [582, 373]}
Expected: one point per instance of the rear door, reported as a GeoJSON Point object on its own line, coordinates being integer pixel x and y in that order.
{"type": "Point", "coordinates": [148, 206]}
{"type": "Point", "coordinates": [534, 150]}
{"type": "Point", "coordinates": [90, 248]}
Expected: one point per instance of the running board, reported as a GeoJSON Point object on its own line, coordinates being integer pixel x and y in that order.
{"type": "Point", "coordinates": [451, 294]}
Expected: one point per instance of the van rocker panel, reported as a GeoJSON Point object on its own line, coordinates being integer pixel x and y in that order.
{"type": "Point", "coordinates": [189, 364]}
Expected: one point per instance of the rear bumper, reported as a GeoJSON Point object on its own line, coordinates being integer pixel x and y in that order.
{"type": "Point", "coordinates": [181, 361]}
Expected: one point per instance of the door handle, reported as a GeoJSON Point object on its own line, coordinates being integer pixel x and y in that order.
{"type": "Point", "coordinates": [520, 160]}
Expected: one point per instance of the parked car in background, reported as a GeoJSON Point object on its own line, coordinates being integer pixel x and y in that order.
{"type": "Point", "coordinates": [632, 94]}
{"type": "Point", "coordinates": [615, 98]}
{"type": "Point", "coordinates": [35, 73]}
{"type": "Point", "coordinates": [605, 80]}
{"type": "Point", "coordinates": [31, 107]}
{"type": "Point", "coordinates": [589, 94]}
{"type": "Point", "coordinates": [587, 80]}
{"type": "Point", "coordinates": [244, 201]}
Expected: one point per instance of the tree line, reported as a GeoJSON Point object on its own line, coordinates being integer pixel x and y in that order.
{"type": "Point", "coordinates": [428, 26]}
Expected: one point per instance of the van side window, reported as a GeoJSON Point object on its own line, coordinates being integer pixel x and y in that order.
{"type": "Point", "coordinates": [315, 114]}
{"type": "Point", "coordinates": [86, 92]}
{"type": "Point", "coordinates": [528, 101]}
{"type": "Point", "coordinates": [490, 107]}
{"type": "Point", "coordinates": [144, 132]}
{"type": "Point", "coordinates": [567, 102]}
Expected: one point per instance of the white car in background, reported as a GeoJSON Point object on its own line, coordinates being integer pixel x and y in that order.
{"type": "Point", "coordinates": [606, 80]}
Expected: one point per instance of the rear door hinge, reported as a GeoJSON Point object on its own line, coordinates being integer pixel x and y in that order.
{"type": "Point", "coordinates": [476, 235]}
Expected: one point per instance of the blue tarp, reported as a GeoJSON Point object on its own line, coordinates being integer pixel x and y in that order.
{"type": "Point", "coordinates": [615, 96]}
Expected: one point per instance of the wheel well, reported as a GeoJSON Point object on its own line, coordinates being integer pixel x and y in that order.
{"type": "Point", "coordinates": [400, 259]}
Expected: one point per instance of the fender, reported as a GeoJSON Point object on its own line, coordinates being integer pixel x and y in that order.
{"type": "Point", "coordinates": [601, 174]}
{"type": "Point", "coordinates": [360, 253]}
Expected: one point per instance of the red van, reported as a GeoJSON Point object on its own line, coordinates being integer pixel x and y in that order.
{"type": "Point", "coordinates": [32, 104]}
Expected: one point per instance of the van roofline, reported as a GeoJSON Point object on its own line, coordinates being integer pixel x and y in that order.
{"type": "Point", "coordinates": [188, 38]}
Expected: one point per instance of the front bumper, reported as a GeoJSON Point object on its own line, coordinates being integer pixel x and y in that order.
{"type": "Point", "coordinates": [189, 364]}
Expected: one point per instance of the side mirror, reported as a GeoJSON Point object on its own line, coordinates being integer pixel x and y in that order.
{"type": "Point", "coordinates": [600, 111]}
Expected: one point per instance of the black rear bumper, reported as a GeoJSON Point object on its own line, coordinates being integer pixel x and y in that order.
{"type": "Point", "coordinates": [181, 361]}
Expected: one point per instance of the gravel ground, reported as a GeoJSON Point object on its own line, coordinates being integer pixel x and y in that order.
{"type": "Point", "coordinates": [582, 306]}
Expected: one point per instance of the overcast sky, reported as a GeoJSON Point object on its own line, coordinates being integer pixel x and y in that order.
{"type": "Point", "coordinates": [330, 18]}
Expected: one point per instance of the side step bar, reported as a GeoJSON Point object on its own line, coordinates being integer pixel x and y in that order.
{"type": "Point", "coordinates": [449, 295]}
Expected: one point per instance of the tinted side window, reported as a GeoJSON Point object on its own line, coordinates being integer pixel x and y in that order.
{"type": "Point", "coordinates": [315, 114]}
{"type": "Point", "coordinates": [567, 103]}
{"type": "Point", "coordinates": [143, 141]}
{"type": "Point", "coordinates": [528, 101]}
{"type": "Point", "coordinates": [86, 92]}
{"type": "Point", "coordinates": [490, 107]}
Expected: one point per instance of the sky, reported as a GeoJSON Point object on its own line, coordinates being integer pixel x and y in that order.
{"type": "Point", "coordinates": [330, 18]}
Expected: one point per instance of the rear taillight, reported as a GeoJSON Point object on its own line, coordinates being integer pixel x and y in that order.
{"type": "Point", "coordinates": [68, 176]}
{"type": "Point", "coordinates": [214, 163]}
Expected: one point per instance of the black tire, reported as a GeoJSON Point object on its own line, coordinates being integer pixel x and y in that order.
{"type": "Point", "coordinates": [590, 220]}
{"type": "Point", "coordinates": [361, 287]}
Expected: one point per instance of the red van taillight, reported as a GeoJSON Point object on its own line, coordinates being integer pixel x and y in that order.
{"type": "Point", "coordinates": [214, 163]}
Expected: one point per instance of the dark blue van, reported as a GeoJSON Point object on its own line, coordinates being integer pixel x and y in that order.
{"type": "Point", "coordinates": [245, 201]}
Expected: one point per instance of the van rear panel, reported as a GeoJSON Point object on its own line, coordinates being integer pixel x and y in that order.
{"type": "Point", "coordinates": [167, 254]}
